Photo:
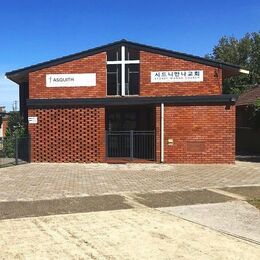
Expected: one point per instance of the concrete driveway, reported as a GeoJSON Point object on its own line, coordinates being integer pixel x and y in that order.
{"type": "Point", "coordinates": [139, 233]}
{"type": "Point", "coordinates": [52, 181]}
{"type": "Point", "coordinates": [134, 211]}
{"type": "Point", "coordinates": [237, 218]}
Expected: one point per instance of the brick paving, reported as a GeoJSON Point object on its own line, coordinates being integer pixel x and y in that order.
{"type": "Point", "coordinates": [53, 181]}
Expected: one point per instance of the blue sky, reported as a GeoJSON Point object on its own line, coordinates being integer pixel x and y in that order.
{"type": "Point", "coordinates": [33, 31]}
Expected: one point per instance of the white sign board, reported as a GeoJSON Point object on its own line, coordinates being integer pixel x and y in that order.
{"type": "Point", "coordinates": [32, 119]}
{"type": "Point", "coordinates": [71, 80]}
{"type": "Point", "coordinates": [177, 76]}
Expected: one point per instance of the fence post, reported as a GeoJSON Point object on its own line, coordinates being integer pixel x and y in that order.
{"type": "Point", "coordinates": [131, 144]}
{"type": "Point", "coordinates": [29, 148]}
{"type": "Point", "coordinates": [106, 143]}
{"type": "Point", "coordinates": [154, 145]}
{"type": "Point", "coordinates": [16, 150]}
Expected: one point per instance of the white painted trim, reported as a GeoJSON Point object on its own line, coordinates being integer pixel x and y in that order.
{"type": "Point", "coordinates": [162, 132]}
{"type": "Point", "coordinates": [125, 62]}
{"type": "Point", "coordinates": [132, 61]}
{"type": "Point", "coordinates": [123, 71]}
{"type": "Point", "coordinates": [244, 71]}
{"type": "Point", "coordinates": [1, 130]}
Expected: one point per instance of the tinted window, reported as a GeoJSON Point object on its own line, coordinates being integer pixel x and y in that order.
{"type": "Point", "coordinates": [132, 79]}
{"type": "Point", "coordinates": [132, 54]}
{"type": "Point", "coordinates": [114, 79]}
{"type": "Point", "coordinates": [114, 54]}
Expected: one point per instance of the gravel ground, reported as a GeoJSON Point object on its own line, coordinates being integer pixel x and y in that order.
{"type": "Point", "coordinates": [235, 217]}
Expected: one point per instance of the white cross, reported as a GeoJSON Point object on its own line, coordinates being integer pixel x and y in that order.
{"type": "Point", "coordinates": [123, 62]}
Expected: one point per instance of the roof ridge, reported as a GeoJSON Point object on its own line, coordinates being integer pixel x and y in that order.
{"type": "Point", "coordinates": [11, 74]}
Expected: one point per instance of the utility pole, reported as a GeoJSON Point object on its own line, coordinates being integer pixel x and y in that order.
{"type": "Point", "coordinates": [15, 105]}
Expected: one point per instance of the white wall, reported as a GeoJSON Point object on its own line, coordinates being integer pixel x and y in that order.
{"type": "Point", "coordinates": [1, 131]}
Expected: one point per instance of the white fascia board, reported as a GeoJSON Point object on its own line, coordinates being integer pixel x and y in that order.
{"type": "Point", "coordinates": [244, 71]}
{"type": "Point", "coordinates": [125, 62]}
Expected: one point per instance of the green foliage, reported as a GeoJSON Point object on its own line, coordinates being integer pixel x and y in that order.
{"type": "Point", "coordinates": [9, 147]}
{"type": "Point", "coordinates": [255, 202]}
{"type": "Point", "coordinates": [244, 52]}
{"type": "Point", "coordinates": [257, 104]}
{"type": "Point", "coordinates": [15, 125]}
{"type": "Point", "coordinates": [255, 114]}
{"type": "Point", "coordinates": [15, 129]}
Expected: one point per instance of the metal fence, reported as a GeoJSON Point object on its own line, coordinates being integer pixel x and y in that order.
{"type": "Point", "coordinates": [14, 151]}
{"type": "Point", "coordinates": [130, 144]}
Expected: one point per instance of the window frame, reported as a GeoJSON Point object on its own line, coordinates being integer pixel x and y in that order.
{"type": "Point", "coordinates": [123, 62]}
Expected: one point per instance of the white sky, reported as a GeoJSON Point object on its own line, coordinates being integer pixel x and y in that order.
{"type": "Point", "coordinates": [9, 92]}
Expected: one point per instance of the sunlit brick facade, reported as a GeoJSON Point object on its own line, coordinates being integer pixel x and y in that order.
{"type": "Point", "coordinates": [127, 115]}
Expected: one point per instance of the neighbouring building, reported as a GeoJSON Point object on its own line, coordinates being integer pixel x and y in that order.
{"type": "Point", "coordinates": [247, 132]}
{"type": "Point", "coordinates": [128, 101]}
{"type": "Point", "coordinates": [3, 122]}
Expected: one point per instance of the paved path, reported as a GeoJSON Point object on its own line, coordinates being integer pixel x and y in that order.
{"type": "Point", "coordinates": [52, 181]}
{"type": "Point", "coordinates": [234, 217]}
{"type": "Point", "coordinates": [137, 231]}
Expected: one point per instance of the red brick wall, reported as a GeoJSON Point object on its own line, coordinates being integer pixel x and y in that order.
{"type": "Point", "coordinates": [4, 125]}
{"type": "Point", "coordinates": [149, 62]}
{"type": "Point", "coordinates": [68, 135]}
{"type": "Point", "coordinates": [201, 134]}
{"type": "Point", "coordinates": [91, 64]}
{"type": "Point", "coordinates": [211, 85]}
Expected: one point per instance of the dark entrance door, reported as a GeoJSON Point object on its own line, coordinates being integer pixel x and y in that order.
{"type": "Point", "coordinates": [130, 133]}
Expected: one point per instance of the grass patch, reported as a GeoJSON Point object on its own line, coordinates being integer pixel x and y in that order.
{"type": "Point", "coordinates": [255, 203]}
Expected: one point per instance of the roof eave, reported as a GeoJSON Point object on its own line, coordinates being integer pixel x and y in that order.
{"type": "Point", "coordinates": [227, 100]}
{"type": "Point", "coordinates": [17, 75]}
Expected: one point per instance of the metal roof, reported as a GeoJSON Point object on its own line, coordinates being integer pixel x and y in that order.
{"type": "Point", "coordinates": [21, 75]}
{"type": "Point", "coordinates": [249, 97]}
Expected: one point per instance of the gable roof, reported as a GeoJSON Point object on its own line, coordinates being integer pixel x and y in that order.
{"type": "Point", "coordinates": [249, 97]}
{"type": "Point", "coordinates": [21, 75]}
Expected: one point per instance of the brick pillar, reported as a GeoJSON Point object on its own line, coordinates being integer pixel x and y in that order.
{"type": "Point", "coordinates": [4, 125]}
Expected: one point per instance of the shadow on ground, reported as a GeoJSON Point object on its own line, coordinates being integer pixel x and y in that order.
{"type": "Point", "coordinates": [180, 198]}
{"type": "Point", "coordinates": [20, 209]}
{"type": "Point", "coordinates": [248, 158]}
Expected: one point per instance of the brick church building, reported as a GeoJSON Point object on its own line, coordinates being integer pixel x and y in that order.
{"type": "Point", "coordinates": [127, 101]}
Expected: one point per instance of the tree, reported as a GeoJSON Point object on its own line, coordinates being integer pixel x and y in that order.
{"type": "Point", "coordinates": [244, 52]}
{"type": "Point", "coordinates": [15, 129]}
{"type": "Point", "coordinates": [15, 125]}
{"type": "Point", "coordinates": [254, 112]}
